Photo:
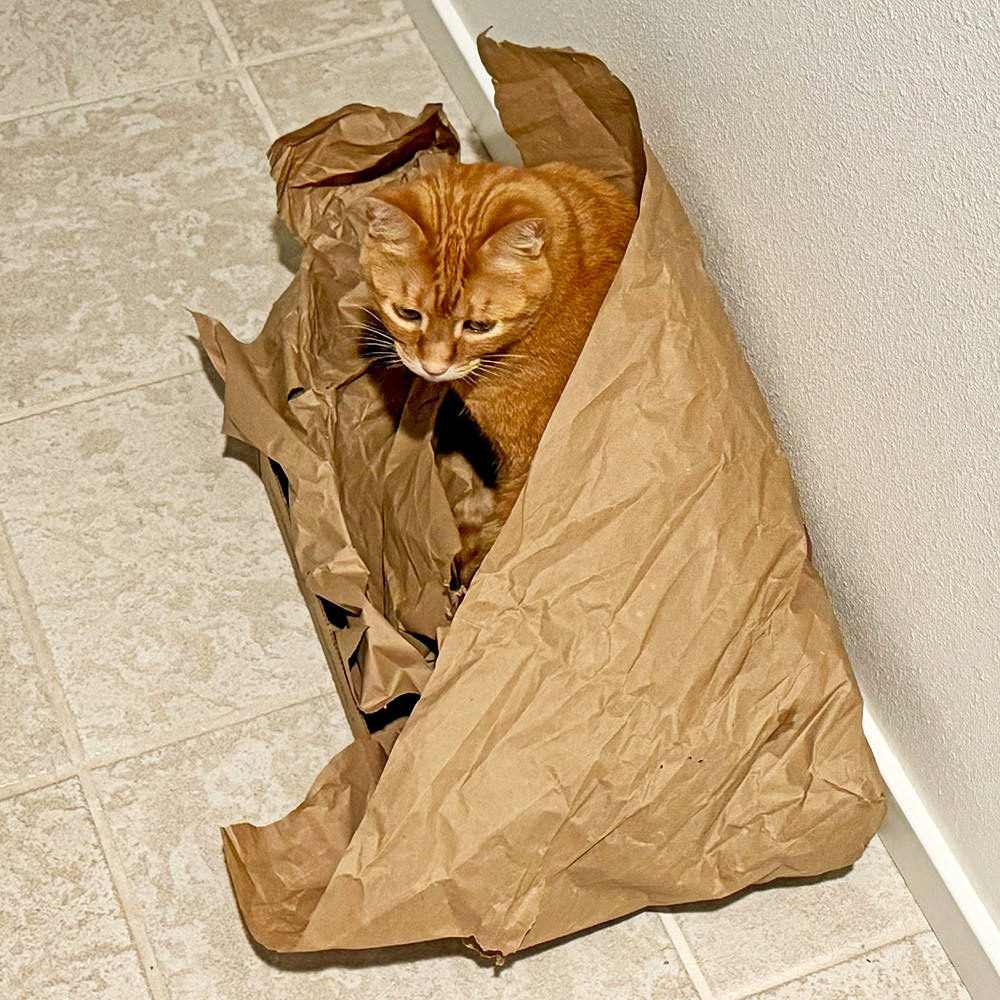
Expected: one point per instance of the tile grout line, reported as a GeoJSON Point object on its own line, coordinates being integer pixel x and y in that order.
{"type": "Point", "coordinates": [80, 102]}
{"type": "Point", "coordinates": [131, 909]}
{"type": "Point", "coordinates": [260, 711]}
{"type": "Point", "coordinates": [232, 70]}
{"type": "Point", "coordinates": [115, 389]}
{"type": "Point", "coordinates": [835, 958]}
{"type": "Point", "coordinates": [338, 43]}
{"type": "Point", "coordinates": [39, 781]}
{"type": "Point", "coordinates": [220, 31]}
{"type": "Point", "coordinates": [232, 54]}
{"type": "Point", "coordinates": [62, 773]}
{"type": "Point", "coordinates": [39, 647]}
{"type": "Point", "coordinates": [71, 737]}
{"type": "Point", "coordinates": [257, 102]}
{"type": "Point", "coordinates": [687, 956]}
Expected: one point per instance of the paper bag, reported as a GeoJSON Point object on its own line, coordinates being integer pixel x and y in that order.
{"type": "Point", "coordinates": [644, 698]}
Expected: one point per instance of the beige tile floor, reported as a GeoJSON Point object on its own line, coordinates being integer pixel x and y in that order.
{"type": "Point", "coordinates": [158, 672]}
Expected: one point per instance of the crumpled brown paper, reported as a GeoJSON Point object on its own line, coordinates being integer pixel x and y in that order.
{"type": "Point", "coordinates": [644, 698]}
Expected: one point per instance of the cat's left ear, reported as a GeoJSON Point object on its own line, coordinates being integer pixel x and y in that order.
{"type": "Point", "coordinates": [388, 222]}
{"type": "Point", "coordinates": [517, 241]}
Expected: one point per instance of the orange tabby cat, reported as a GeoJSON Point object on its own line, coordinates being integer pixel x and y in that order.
{"type": "Point", "coordinates": [489, 277]}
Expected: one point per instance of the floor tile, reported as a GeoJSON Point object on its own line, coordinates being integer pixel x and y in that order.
{"type": "Point", "coordinates": [165, 808]}
{"type": "Point", "coordinates": [80, 49]}
{"type": "Point", "coordinates": [630, 959]}
{"type": "Point", "coordinates": [914, 969]}
{"type": "Point", "coordinates": [117, 217]}
{"type": "Point", "coordinates": [260, 28]}
{"type": "Point", "coordinates": [29, 732]}
{"type": "Point", "coordinates": [62, 933]}
{"type": "Point", "coordinates": [742, 944]}
{"type": "Point", "coordinates": [395, 71]}
{"type": "Point", "coordinates": [160, 578]}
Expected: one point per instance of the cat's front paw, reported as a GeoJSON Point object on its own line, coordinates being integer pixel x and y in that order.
{"type": "Point", "coordinates": [455, 596]}
{"type": "Point", "coordinates": [470, 556]}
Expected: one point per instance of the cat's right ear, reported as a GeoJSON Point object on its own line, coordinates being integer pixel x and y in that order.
{"type": "Point", "coordinates": [388, 223]}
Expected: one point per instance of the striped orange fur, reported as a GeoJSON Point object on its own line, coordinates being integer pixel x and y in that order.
{"type": "Point", "coordinates": [489, 277]}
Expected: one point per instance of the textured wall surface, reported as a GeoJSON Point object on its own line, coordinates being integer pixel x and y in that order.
{"type": "Point", "coordinates": [839, 160]}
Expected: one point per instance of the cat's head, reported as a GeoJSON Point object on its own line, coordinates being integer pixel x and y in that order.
{"type": "Point", "coordinates": [458, 272]}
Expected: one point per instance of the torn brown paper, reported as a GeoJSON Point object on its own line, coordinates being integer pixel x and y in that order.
{"type": "Point", "coordinates": [306, 396]}
{"type": "Point", "coordinates": [644, 698]}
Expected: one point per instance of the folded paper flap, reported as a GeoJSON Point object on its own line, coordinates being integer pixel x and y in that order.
{"type": "Point", "coordinates": [644, 698]}
{"type": "Point", "coordinates": [258, 412]}
{"type": "Point", "coordinates": [302, 855]}
{"type": "Point", "coordinates": [421, 537]}
{"type": "Point", "coordinates": [356, 144]}
{"type": "Point", "coordinates": [343, 429]}
{"type": "Point", "coordinates": [565, 105]}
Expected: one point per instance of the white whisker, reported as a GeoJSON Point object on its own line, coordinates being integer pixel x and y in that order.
{"type": "Point", "coordinates": [358, 307]}
{"type": "Point", "coordinates": [488, 364]}
{"type": "Point", "coordinates": [362, 326]}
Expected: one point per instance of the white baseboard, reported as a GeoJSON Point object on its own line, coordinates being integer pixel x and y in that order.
{"type": "Point", "coordinates": [454, 48]}
{"type": "Point", "coordinates": [939, 885]}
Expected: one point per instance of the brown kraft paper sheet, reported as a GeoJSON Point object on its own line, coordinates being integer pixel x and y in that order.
{"type": "Point", "coordinates": [644, 698]}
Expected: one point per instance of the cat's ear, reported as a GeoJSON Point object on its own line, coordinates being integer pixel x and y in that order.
{"type": "Point", "coordinates": [516, 242]}
{"type": "Point", "coordinates": [389, 223]}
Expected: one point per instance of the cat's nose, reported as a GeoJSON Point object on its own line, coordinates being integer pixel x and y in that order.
{"type": "Point", "coordinates": [435, 367]}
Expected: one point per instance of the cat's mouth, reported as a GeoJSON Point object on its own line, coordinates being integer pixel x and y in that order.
{"type": "Point", "coordinates": [451, 374]}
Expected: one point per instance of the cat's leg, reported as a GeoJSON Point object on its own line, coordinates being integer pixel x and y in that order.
{"type": "Point", "coordinates": [475, 544]}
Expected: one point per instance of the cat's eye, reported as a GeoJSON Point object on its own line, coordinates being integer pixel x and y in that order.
{"type": "Point", "coordinates": [410, 315]}
{"type": "Point", "coordinates": [479, 326]}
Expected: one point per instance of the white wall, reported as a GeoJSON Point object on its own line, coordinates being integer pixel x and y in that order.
{"type": "Point", "coordinates": [839, 160]}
